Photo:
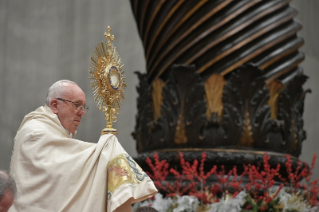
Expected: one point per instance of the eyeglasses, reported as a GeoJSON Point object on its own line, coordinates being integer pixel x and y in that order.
{"type": "Point", "coordinates": [78, 106]}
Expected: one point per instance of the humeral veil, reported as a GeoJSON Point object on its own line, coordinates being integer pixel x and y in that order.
{"type": "Point", "coordinates": [57, 173]}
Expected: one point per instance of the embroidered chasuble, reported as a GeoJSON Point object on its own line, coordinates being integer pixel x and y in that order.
{"type": "Point", "coordinates": [54, 172]}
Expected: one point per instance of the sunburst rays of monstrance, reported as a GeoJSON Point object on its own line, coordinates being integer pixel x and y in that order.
{"type": "Point", "coordinates": [107, 80]}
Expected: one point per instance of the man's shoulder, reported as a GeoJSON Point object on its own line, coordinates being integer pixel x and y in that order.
{"type": "Point", "coordinates": [36, 122]}
{"type": "Point", "coordinates": [39, 125]}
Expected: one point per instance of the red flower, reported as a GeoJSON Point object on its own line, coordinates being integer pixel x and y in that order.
{"type": "Point", "coordinates": [191, 180]}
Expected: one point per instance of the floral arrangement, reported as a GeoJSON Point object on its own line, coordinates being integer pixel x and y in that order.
{"type": "Point", "coordinates": [191, 192]}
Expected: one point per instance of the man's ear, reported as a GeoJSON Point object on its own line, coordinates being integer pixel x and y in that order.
{"type": "Point", "coordinates": [54, 106]}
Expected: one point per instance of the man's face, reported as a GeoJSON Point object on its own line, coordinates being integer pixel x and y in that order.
{"type": "Point", "coordinates": [6, 201]}
{"type": "Point", "coordinates": [68, 114]}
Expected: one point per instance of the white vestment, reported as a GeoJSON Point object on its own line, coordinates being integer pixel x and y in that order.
{"type": "Point", "coordinates": [54, 172]}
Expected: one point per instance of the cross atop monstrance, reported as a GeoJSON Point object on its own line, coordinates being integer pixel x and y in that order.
{"type": "Point", "coordinates": [108, 34]}
{"type": "Point", "coordinates": [107, 80]}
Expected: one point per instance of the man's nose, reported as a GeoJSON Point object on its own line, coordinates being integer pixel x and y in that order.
{"type": "Point", "coordinates": [82, 112]}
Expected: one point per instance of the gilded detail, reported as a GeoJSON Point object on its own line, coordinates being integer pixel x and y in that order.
{"type": "Point", "coordinates": [157, 87]}
{"type": "Point", "coordinates": [246, 138]}
{"type": "Point", "coordinates": [294, 144]}
{"type": "Point", "coordinates": [275, 88]}
{"type": "Point", "coordinates": [119, 173]}
{"type": "Point", "coordinates": [180, 135]}
{"type": "Point", "coordinates": [214, 86]}
{"type": "Point", "coordinates": [107, 80]}
{"type": "Point", "coordinates": [123, 170]}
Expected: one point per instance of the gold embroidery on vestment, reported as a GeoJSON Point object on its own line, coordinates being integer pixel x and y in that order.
{"type": "Point", "coordinates": [123, 170]}
{"type": "Point", "coordinates": [119, 173]}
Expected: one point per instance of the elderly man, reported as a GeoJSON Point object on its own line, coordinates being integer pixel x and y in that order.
{"type": "Point", "coordinates": [55, 172]}
{"type": "Point", "coordinates": [7, 191]}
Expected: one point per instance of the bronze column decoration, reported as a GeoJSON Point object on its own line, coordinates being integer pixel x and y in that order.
{"type": "Point", "coordinates": [222, 77]}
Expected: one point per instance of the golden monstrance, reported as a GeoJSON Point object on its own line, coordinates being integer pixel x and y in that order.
{"type": "Point", "coordinates": [107, 80]}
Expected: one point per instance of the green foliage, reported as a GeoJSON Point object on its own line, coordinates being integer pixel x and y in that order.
{"type": "Point", "coordinates": [261, 205]}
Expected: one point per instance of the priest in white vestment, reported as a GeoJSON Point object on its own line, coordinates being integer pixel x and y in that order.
{"type": "Point", "coordinates": [55, 172]}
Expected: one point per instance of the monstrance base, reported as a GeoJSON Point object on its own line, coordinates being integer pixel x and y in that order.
{"type": "Point", "coordinates": [109, 131]}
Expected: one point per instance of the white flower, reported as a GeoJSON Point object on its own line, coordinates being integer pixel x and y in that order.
{"type": "Point", "coordinates": [161, 204]}
{"type": "Point", "coordinates": [293, 201]}
{"type": "Point", "coordinates": [190, 203]}
{"type": "Point", "coordinates": [186, 203]}
{"type": "Point", "coordinates": [314, 209]}
{"type": "Point", "coordinates": [231, 205]}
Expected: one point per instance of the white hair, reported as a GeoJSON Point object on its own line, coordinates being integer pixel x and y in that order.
{"type": "Point", "coordinates": [6, 182]}
{"type": "Point", "coordinates": [56, 90]}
